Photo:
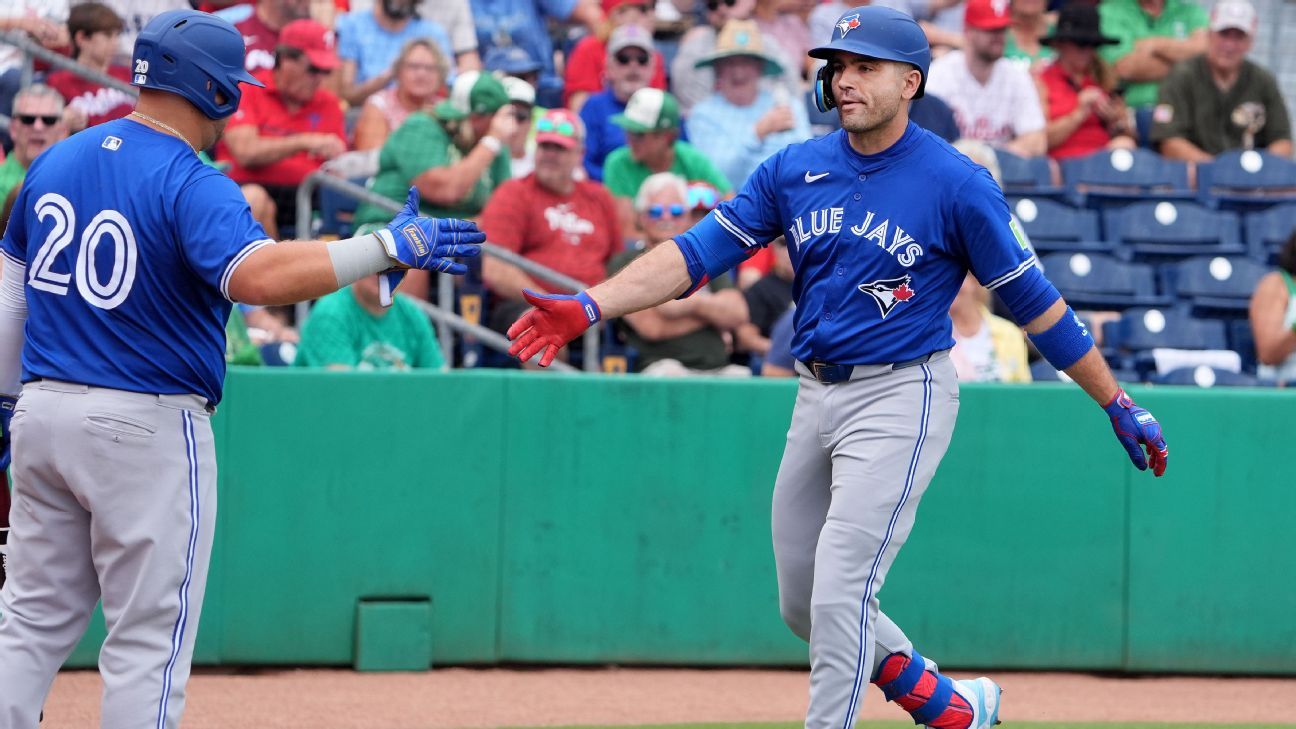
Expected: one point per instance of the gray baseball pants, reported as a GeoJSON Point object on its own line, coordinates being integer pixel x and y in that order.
{"type": "Point", "coordinates": [859, 456]}
{"type": "Point", "coordinates": [114, 497]}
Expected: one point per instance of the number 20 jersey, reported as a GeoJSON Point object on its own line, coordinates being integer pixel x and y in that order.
{"type": "Point", "coordinates": [129, 242]}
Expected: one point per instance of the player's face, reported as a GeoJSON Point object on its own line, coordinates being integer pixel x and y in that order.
{"type": "Point", "coordinates": [37, 123]}
{"type": "Point", "coordinates": [987, 45]}
{"type": "Point", "coordinates": [659, 218]}
{"type": "Point", "coordinates": [419, 77]}
{"type": "Point", "coordinates": [869, 91]}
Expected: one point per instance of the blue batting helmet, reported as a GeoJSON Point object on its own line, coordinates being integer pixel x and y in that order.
{"type": "Point", "coordinates": [880, 32]}
{"type": "Point", "coordinates": [196, 55]}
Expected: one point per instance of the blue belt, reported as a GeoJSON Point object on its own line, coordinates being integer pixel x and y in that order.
{"type": "Point", "coordinates": [831, 374]}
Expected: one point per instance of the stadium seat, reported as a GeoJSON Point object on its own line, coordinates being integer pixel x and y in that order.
{"type": "Point", "coordinates": [1268, 230]}
{"type": "Point", "coordinates": [1125, 175]}
{"type": "Point", "coordinates": [1246, 180]}
{"type": "Point", "coordinates": [1031, 176]}
{"type": "Point", "coordinates": [1054, 226]}
{"type": "Point", "coordinates": [1205, 376]}
{"type": "Point", "coordinates": [1215, 283]}
{"type": "Point", "coordinates": [1042, 371]}
{"type": "Point", "coordinates": [1152, 328]}
{"type": "Point", "coordinates": [1242, 340]}
{"type": "Point", "coordinates": [1166, 228]}
{"type": "Point", "coordinates": [337, 211]}
{"type": "Point", "coordinates": [1097, 281]}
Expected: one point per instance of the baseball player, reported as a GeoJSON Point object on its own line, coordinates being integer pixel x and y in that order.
{"type": "Point", "coordinates": [883, 220]}
{"type": "Point", "coordinates": [122, 259]}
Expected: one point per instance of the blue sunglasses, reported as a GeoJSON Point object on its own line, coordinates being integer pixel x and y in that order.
{"type": "Point", "coordinates": [656, 212]}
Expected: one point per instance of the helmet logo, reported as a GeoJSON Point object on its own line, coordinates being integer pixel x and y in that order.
{"type": "Point", "coordinates": [141, 71]}
{"type": "Point", "coordinates": [848, 23]}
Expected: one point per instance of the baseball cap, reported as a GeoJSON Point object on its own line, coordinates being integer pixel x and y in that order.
{"type": "Point", "coordinates": [510, 60]}
{"type": "Point", "coordinates": [702, 195]}
{"type": "Point", "coordinates": [649, 110]}
{"type": "Point", "coordinates": [610, 5]}
{"type": "Point", "coordinates": [741, 38]}
{"type": "Point", "coordinates": [1238, 14]}
{"type": "Point", "coordinates": [629, 36]}
{"type": "Point", "coordinates": [473, 92]}
{"type": "Point", "coordinates": [519, 91]}
{"type": "Point", "coordinates": [313, 39]}
{"type": "Point", "coordinates": [561, 127]}
{"type": "Point", "coordinates": [987, 14]}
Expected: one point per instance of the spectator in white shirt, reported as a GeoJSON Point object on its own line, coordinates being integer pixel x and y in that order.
{"type": "Point", "coordinates": [994, 99]}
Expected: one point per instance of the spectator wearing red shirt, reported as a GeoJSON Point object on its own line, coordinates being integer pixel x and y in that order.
{"type": "Point", "coordinates": [94, 29]}
{"type": "Point", "coordinates": [589, 57]}
{"type": "Point", "coordinates": [1076, 88]}
{"type": "Point", "coordinates": [261, 30]}
{"type": "Point", "coordinates": [285, 131]}
{"type": "Point", "coordinates": [549, 217]}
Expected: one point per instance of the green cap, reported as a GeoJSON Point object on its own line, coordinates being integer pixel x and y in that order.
{"type": "Point", "coordinates": [649, 110]}
{"type": "Point", "coordinates": [473, 92]}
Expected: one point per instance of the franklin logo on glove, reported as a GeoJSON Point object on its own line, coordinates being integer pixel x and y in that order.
{"type": "Point", "coordinates": [416, 239]}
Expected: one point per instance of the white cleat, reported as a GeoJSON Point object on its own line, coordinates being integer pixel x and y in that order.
{"type": "Point", "coordinates": [982, 695]}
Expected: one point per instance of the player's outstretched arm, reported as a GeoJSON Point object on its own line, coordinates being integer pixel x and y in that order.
{"type": "Point", "coordinates": [1064, 341]}
{"type": "Point", "coordinates": [294, 271]}
{"type": "Point", "coordinates": [651, 279]}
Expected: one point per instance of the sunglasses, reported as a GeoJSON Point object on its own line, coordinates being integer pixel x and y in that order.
{"type": "Point", "coordinates": [625, 59]}
{"type": "Point", "coordinates": [317, 71]}
{"type": "Point", "coordinates": [657, 212]}
{"type": "Point", "coordinates": [702, 198]}
{"type": "Point", "coordinates": [714, 5]}
{"type": "Point", "coordinates": [30, 119]}
{"type": "Point", "coordinates": [548, 126]}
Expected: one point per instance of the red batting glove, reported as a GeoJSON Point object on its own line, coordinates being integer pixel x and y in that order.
{"type": "Point", "coordinates": [556, 320]}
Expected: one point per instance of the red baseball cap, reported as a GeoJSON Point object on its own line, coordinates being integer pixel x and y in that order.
{"type": "Point", "coordinates": [561, 127]}
{"type": "Point", "coordinates": [987, 14]}
{"type": "Point", "coordinates": [313, 39]}
{"type": "Point", "coordinates": [610, 5]}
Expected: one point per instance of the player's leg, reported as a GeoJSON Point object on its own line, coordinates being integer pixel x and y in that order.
{"type": "Point", "coordinates": [51, 589]}
{"type": "Point", "coordinates": [800, 505]}
{"type": "Point", "coordinates": [888, 433]}
{"type": "Point", "coordinates": [149, 475]}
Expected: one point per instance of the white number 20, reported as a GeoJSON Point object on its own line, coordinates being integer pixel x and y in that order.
{"type": "Point", "coordinates": [110, 224]}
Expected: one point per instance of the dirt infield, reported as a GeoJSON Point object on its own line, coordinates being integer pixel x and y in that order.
{"type": "Point", "coordinates": [458, 698]}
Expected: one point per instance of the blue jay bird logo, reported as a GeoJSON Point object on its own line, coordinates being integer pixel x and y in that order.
{"type": "Point", "coordinates": [848, 23]}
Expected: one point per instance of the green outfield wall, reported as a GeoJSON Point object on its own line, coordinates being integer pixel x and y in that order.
{"type": "Point", "coordinates": [601, 519]}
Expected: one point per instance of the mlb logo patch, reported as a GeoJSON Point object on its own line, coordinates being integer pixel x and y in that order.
{"type": "Point", "coordinates": [112, 143]}
{"type": "Point", "coordinates": [141, 78]}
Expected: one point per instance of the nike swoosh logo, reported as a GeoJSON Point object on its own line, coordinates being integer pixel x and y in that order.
{"type": "Point", "coordinates": [811, 178]}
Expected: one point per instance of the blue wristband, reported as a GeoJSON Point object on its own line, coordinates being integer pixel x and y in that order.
{"type": "Point", "coordinates": [590, 307]}
{"type": "Point", "coordinates": [1064, 343]}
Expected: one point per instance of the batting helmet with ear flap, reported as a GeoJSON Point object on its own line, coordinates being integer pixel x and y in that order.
{"type": "Point", "coordinates": [876, 32]}
{"type": "Point", "coordinates": [195, 55]}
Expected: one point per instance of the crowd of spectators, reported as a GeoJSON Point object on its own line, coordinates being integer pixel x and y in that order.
{"type": "Point", "coordinates": [581, 132]}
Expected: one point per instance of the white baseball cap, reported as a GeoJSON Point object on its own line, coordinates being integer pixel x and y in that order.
{"type": "Point", "coordinates": [1239, 14]}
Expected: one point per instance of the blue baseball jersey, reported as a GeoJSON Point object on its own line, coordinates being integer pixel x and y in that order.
{"type": "Point", "coordinates": [880, 244]}
{"type": "Point", "coordinates": [129, 242]}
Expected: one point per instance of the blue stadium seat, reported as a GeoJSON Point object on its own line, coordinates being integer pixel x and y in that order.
{"type": "Point", "coordinates": [1125, 175]}
{"type": "Point", "coordinates": [1204, 376]}
{"type": "Point", "coordinates": [1166, 228]}
{"type": "Point", "coordinates": [1242, 340]}
{"type": "Point", "coordinates": [1042, 371]}
{"type": "Point", "coordinates": [1027, 175]}
{"type": "Point", "coordinates": [1216, 283]}
{"type": "Point", "coordinates": [1097, 281]}
{"type": "Point", "coordinates": [1144, 329]}
{"type": "Point", "coordinates": [1054, 226]}
{"type": "Point", "coordinates": [1268, 230]}
{"type": "Point", "coordinates": [337, 211]}
{"type": "Point", "coordinates": [1246, 180]}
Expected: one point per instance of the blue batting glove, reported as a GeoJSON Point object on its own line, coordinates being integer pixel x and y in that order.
{"type": "Point", "coordinates": [7, 404]}
{"type": "Point", "coordinates": [427, 243]}
{"type": "Point", "coordinates": [1135, 429]}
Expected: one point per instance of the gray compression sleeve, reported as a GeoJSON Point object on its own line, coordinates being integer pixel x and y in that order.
{"type": "Point", "coordinates": [13, 317]}
{"type": "Point", "coordinates": [355, 258]}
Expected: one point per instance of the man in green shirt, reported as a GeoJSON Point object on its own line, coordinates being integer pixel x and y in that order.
{"type": "Point", "coordinates": [651, 121]}
{"type": "Point", "coordinates": [1154, 35]}
{"type": "Point", "coordinates": [351, 330]}
{"type": "Point", "coordinates": [36, 124]}
{"type": "Point", "coordinates": [1219, 100]}
{"type": "Point", "coordinates": [456, 155]}
{"type": "Point", "coordinates": [684, 336]}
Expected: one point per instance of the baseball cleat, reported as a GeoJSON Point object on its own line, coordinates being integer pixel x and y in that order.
{"type": "Point", "coordinates": [982, 695]}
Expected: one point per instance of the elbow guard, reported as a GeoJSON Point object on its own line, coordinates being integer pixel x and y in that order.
{"type": "Point", "coordinates": [709, 251]}
{"type": "Point", "coordinates": [1064, 343]}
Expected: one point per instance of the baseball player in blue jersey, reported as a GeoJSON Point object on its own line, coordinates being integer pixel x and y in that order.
{"type": "Point", "coordinates": [883, 220]}
{"type": "Point", "coordinates": [122, 259]}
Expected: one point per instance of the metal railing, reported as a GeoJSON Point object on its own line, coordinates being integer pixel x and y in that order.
{"type": "Point", "coordinates": [445, 288]}
{"type": "Point", "coordinates": [31, 48]}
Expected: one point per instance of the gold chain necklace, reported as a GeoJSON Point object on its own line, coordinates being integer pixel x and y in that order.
{"type": "Point", "coordinates": [160, 125]}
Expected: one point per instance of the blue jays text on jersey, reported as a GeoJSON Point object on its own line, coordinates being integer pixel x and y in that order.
{"type": "Point", "coordinates": [127, 283]}
{"type": "Point", "coordinates": [880, 244]}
